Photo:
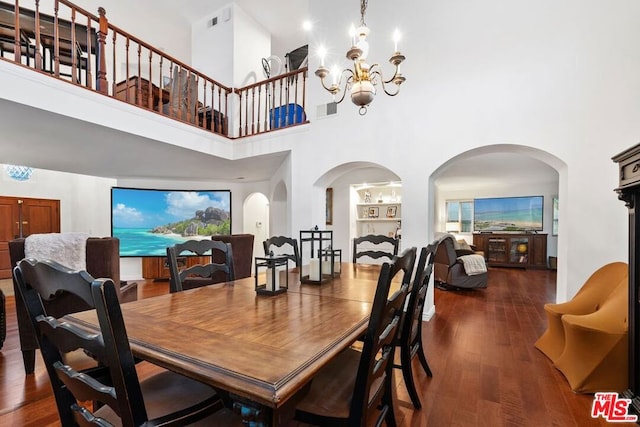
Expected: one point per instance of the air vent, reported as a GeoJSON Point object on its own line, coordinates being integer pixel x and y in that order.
{"type": "Point", "coordinates": [213, 22]}
{"type": "Point", "coordinates": [325, 110]}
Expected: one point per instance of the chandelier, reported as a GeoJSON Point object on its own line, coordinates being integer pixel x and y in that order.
{"type": "Point", "coordinates": [362, 80]}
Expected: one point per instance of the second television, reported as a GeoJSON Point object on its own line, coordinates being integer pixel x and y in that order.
{"type": "Point", "coordinates": [508, 214]}
{"type": "Point", "coordinates": [147, 221]}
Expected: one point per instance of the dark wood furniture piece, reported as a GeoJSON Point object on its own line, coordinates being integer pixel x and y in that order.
{"type": "Point", "coordinates": [375, 246]}
{"type": "Point", "coordinates": [118, 396]}
{"type": "Point", "coordinates": [103, 260]}
{"type": "Point", "coordinates": [629, 192]}
{"type": "Point", "coordinates": [356, 387]}
{"type": "Point", "coordinates": [512, 249]}
{"type": "Point", "coordinates": [139, 91]}
{"type": "Point", "coordinates": [272, 368]}
{"type": "Point", "coordinates": [283, 246]}
{"type": "Point", "coordinates": [409, 339]}
{"type": "Point", "coordinates": [157, 268]}
{"type": "Point", "coordinates": [200, 274]}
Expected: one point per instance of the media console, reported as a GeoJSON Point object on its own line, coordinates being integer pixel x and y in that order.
{"type": "Point", "coordinates": [512, 249]}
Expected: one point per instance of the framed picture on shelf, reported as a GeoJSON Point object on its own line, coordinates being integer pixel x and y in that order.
{"type": "Point", "coordinates": [374, 212]}
{"type": "Point", "coordinates": [391, 211]}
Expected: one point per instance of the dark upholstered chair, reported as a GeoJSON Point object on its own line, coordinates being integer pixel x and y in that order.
{"type": "Point", "coordinates": [449, 270]}
{"type": "Point", "coordinates": [374, 246]}
{"type": "Point", "coordinates": [200, 274]}
{"type": "Point", "coordinates": [356, 388]}
{"type": "Point", "coordinates": [242, 245]}
{"type": "Point", "coordinates": [409, 338]}
{"type": "Point", "coordinates": [102, 259]}
{"type": "Point", "coordinates": [114, 387]}
{"type": "Point", "coordinates": [285, 246]}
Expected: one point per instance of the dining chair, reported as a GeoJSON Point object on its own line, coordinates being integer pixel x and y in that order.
{"type": "Point", "coordinates": [356, 387]}
{"type": "Point", "coordinates": [375, 246]}
{"type": "Point", "coordinates": [200, 274]}
{"type": "Point", "coordinates": [409, 338]}
{"type": "Point", "coordinates": [283, 246]}
{"type": "Point", "coordinates": [118, 396]}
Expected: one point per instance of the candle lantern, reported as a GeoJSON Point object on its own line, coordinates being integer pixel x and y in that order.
{"type": "Point", "coordinates": [313, 244]}
{"type": "Point", "coordinates": [276, 277]}
{"type": "Point", "coordinates": [332, 260]}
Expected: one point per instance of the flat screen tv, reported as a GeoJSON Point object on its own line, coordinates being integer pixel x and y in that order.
{"type": "Point", "coordinates": [147, 221]}
{"type": "Point", "coordinates": [504, 214]}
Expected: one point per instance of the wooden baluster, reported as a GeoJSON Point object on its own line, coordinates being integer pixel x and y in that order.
{"type": "Point", "coordinates": [246, 116]}
{"type": "Point", "coordinates": [151, 106]}
{"type": "Point", "coordinates": [258, 109]}
{"type": "Point", "coordinates": [17, 51]}
{"type": "Point", "coordinates": [101, 73]}
{"type": "Point", "coordinates": [267, 95]}
{"type": "Point", "coordinates": [171, 93]}
{"type": "Point", "coordinates": [113, 64]}
{"type": "Point", "coordinates": [161, 86]}
{"type": "Point", "coordinates": [220, 127]}
{"type": "Point", "coordinates": [203, 122]}
{"type": "Point", "coordinates": [253, 113]}
{"type": "Point", "coordinates": [74, 52]}
{"type": "Point", "coordinates": [280, 120]}
{"type": "Point", "coordinates": [139, 79]}
{"type": "Point", "coordinates": [304, 96]}
{"type": "Point", "coordinates": [240, 116]}
{"type": "Point", "coordinates": [126, 63]}
{"type": "Point", "coordinates": [37, 36]}
{"type": "Point", "coordinates": [56, 40]}
{"type": "Point", "coordinates": [89, 76]}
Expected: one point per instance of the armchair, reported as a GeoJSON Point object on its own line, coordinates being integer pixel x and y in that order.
{"type": "Point", "coordinates": [457, 271]}
{"type": "Point", "coordinates": [102, 260]}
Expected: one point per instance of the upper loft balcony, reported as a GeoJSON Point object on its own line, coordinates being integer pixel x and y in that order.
{"type": "Point", "coordinates": [70, 44]}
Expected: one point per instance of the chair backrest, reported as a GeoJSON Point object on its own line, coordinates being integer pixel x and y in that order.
{"type": "Point", "coordinates": [198, 275]}
{"type": "Point", "coordinates": [284, 246]}
{"type": "Point", "coordinates": [375, 246]}
{"type": "Point", "coordinates": [373, 385]}
{"type": "Point", "coordinates": [43, 280]}
{"type": "Point", "coordinates": [411, 327]}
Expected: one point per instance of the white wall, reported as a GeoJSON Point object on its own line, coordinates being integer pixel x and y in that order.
{"type": "Point", "coordinates": [212, 46]}
{"type": "Point", "coordinates": [85, 201]}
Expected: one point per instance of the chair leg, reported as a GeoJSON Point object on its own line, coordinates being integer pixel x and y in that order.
{"type": "Point", "coordinates": [407, 374]}
{"type": "Point", "coordinates": [423, 360]}
{"type": "Point", "coordinates": [390, 416]}
{"type": "Point", "coordinates": [29, 359]}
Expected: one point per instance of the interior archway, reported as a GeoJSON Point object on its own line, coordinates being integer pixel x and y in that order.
{"type": "Point", "coordinates": [256, 220]}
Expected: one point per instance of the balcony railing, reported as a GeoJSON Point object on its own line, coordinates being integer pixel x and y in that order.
{"type": "Point", "coordinates": [72, 44]}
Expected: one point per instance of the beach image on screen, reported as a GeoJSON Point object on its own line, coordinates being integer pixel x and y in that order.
{"type": "Point", "coordinates": [148, 221]}
{"type": "Point", "coordinates": [508, 214]}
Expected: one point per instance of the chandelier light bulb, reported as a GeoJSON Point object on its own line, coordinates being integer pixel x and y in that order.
{"type": "Point", "coordinates": [322, 52]}
{"type": "Point", "coordinates": [352, 34]}
{"type": "Point", "coordinates": [335, 72]}
{"type": "Point", "coordinates": [396, 38]}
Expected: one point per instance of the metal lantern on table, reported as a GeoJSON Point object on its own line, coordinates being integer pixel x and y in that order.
{"type": "Point", "coordinates": [331, 260]}
{"type": "Point", "coordinates": [313, 243]}
{"type": "Point", "coordinates": [275, 279]}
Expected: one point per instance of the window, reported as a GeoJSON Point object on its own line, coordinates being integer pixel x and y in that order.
{"type": "Point", "coordinates": [459, 216]}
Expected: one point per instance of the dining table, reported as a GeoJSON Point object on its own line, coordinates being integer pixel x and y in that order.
{"type": "Point", "coordinates": [261, 350]}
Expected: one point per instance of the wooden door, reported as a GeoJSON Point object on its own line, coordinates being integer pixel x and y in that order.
{"type": "Point", "coordinates": [35, 215]}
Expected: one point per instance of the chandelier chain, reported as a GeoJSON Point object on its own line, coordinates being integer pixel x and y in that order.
{"type": "Point", "coordinates": [363, 11]}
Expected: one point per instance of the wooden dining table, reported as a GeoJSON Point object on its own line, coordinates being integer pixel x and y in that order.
{"type": "Point", "coordinates": [263, 350]}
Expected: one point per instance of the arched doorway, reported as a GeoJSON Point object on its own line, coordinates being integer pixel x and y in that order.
{"type": "Point", "coordinates": [256, 220]}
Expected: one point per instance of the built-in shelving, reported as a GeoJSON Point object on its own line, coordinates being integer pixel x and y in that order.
{"type": "Point", "coordinates": [378, 209]}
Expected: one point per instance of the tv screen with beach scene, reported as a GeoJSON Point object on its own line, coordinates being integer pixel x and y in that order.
{"type": "Point", "coordinates": [147, 221]}
{"type": "Point", "coordinates": [505, 214]}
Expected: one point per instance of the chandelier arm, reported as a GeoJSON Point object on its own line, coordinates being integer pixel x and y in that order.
{"type": "Point", "coordinates": [347, 82]}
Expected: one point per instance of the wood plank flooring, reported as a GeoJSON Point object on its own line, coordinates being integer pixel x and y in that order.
{"type": "Point", "coordinates": [486, 371]}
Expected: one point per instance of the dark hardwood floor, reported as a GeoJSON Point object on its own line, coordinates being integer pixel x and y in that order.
{"type": "Point", "coordinates": [486, 371]}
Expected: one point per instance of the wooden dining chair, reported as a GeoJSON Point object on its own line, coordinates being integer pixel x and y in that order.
{"type": "Point", "coordinates": [356, 388]}
{"type": "Point", "coordinates": [375, 246]}
{"type": "Point", "coordinates": [200, 274]}
{"type": "Point", "coordinates": [409, 339]}
{"type": "Point", "coordinates": [283, 246]}
{"type": "Point", "coordinates": [119, 397]}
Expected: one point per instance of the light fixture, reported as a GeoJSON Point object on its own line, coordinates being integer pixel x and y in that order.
{"type": "Point", "coordinates": [362, 81]}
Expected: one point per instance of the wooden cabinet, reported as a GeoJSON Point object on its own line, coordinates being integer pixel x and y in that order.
{"type": "Point", "coordinates": [157, 268]}
{"type": "Point", "coordinates": [378, 209]}
{"type": "Point", "coordinates": [629, 192]}
{"type": "Point", "coordinates": [513, 250]}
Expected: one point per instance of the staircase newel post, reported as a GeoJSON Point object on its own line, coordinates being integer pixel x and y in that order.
{"type": "Point", "coordinates": [101, 72]}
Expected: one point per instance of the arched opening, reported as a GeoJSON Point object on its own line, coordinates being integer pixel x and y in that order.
{"type": "Point", "coordinates": [256, 220]}
{"type": "Point", "coordinates": [498, 171]}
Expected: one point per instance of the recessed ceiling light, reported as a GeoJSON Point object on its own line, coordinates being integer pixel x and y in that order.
{"type": "Point", "coordinates": [307, 25]}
